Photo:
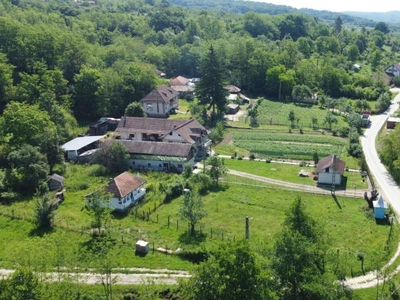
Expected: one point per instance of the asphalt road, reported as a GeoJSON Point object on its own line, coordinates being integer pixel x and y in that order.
{"type": "Point", "coordinates": [386, 186]}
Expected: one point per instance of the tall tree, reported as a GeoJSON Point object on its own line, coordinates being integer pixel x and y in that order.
{"type": "Point", "coordinates": [114, 156]}
{"type": "Point", "coordinates": [27, 169]}
{"type": "Point", "coordinates": [299, 258]}
{"type": "Point", "coordinates": [192, 209]}
{"type": "Point", "coordinates": [135, 109]}
{"type": "Point", "coordinates": [232, 272]}
{"type": "Point", "coordinates": [210, 90]}
{"type": "Point", "coordinates": [217, 169]}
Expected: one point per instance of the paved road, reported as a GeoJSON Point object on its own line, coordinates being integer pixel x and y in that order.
{"type": "Point", "coordinates": [384, 181]}
{"type": "Point", "coordinates": [386, 186]}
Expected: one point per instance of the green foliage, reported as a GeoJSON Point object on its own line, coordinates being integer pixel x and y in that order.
{"type": "Point", "coordinates": [23, 284]}
{"type": "Point", "coordinates": [217, 133]}
{"type": "Point", "coordinates": [172, 190]}
{"type": "Point", "coordinates": [192, 209]}
{"type": "Point", "coordinates": [300, 257]}
{"type": "Point", "coordinates": [210, 90]}
{"type": "Point", "coordinates": [389, 153]}
{"type": "Point", "coordinates": [28, 168]}
{"type": "Point", "coordinates": [114, 156]}
{"type": "Point", "coordinates": [44, 212]}
{"type": "Point", "coordinates": [217, 169]}
{"type": "Point", "coordinates": [134, 109]}
{"type": "Point", "coordinates": [97, 207]}
{"type": "Point", "coordinates": [232, 272]}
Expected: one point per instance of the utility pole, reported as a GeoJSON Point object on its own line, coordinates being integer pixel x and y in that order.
{"type": "Point", "coordinates": [333, 175]}
{"type": "Point", "coordinates": [247, 228]}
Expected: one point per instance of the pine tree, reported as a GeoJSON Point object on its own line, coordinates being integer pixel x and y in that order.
{"type": "Point", "coordinates": [210, 90]}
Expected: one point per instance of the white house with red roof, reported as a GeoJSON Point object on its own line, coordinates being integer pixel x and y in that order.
{"type": "Point", "coordinates": [330, 170]}
{"type": "Point", "coordinates": [126, 189]}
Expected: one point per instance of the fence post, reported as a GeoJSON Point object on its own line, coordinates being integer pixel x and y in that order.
{"type": "Point", "coordinates": [168, 221]}
{"type": "Point", "coordinates": [177, 224]}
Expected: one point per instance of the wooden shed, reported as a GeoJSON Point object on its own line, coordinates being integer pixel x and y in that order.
{"type": "Point", "coordinates": [142, 247]}
{"type": "Point", "coordinates": [55, 182]}
{"type": "Point", "coordinates": [391, 122]}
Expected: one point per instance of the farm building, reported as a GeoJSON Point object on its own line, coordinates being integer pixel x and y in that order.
{"type": "Point", "coordinates": [126, 189]}
{"type": "Point", "coordinates": [391, 122]}
{"type": "Point", "coordinates": [164, 138]}
{"type": "Point", "coordinates": [55, 182]}
{"type": "Point", "coordinates": [380, 208]}
{"type": "Point", "coordinates": [79, 145]}
{"type": "Point", "coordinates": [330, 170]}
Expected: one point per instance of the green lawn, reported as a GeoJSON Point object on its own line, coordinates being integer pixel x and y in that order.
{"type": "Point", "coordinates": [289, 172]}
{"type": "Point", "coordinates": [274, 112]}
{"type": "Point", "coordinates": [350, 229]}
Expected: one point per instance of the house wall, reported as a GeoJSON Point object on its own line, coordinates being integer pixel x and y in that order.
{"type": "Point", "coordinates": [73, 154]}
{"type": "Point", "coordinates": [158, 165]}
{"type": "Point", "coordinates": [155, 108]}
{"type": "Point", "coordinates": [128, 200]}
{"type": "Point", "coordinates": [326, 178]}
{"type": "Point", "coordinates": [54, 185]}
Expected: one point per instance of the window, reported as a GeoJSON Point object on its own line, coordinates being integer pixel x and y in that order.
{"type": "Point", "coordinates": [179, 165]}
{"type": "Point", "coordinates": [132, 136]}
{"type": "Point", "coordinates": [149, 164]}
{"type": "Point", "coordinates": [149, 107]}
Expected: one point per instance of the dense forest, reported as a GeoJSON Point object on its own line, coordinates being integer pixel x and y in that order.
{"type": "Point", "coordinates": [64, 63]}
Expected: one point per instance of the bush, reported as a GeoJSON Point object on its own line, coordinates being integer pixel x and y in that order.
{"type": "Point", "coordinates": [240, 157]}
{"type": "Point", "coordinates": [301, 131]}
{"type": "Point", "coordinates": [303, 164]}
{"type": "Point", "coordinates": [252, 156]}
{"type": "Point", "coordinates": [268, 160]}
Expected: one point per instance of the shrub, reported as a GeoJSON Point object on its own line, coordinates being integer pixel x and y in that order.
{"type": "Point", "coordinates": [301, 131]}
{"type": "Point", "coordinates": [303, 164]}
{"type": "Point", "coordinates": [268, 160]}
{"type": "Point", "coordinates": [252, 156]}
{"type": "Point", "coordinates": [240, 157]}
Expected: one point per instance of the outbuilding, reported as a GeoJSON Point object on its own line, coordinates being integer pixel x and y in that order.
{"type": "Point", "coordinates": [142, 247]}
{"type": "Point", "coordinates": [330, 170]}
{"type": "Point", "coordinates": [380, 208]}
{"type": "Point", "coordinates": [55, 182]}
{"type": "Point", "coordinates": [79, 145]}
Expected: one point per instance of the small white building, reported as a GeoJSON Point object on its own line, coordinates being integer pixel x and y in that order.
{"type": "Point", "coordinates": [330, 170]}
{"type": "Point", "coordinates": [142, 247]}
{"type": "Point", "coordinates": [126, 189]}
{"type": "Point", "coordinates": [79, 145]}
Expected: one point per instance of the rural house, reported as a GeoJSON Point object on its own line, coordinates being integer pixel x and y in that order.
{"type": "Point", "coordinates": [393, 70]}
{"type": "Point", "coordinates": [125, 189]}
{"type": "Point", "coordinates": [162, 144]}
{"type": "Point", "coordinates": [330, 170]}
{"type": "Point", "coordinates": [183, 86]}
{"type": "Point", "coordinates": [160, 101]}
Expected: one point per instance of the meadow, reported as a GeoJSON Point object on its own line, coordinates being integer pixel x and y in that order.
{"type": "Point", "coordinates": [350, 226]}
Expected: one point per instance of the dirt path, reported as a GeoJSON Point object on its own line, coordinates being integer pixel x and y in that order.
{"type": "Point", "coordinates": [121, 276]}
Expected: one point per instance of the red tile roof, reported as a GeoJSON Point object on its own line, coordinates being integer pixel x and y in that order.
{"type": "Point", "coordinates": [180, 80]}
{"type": "Point", "coordinates": [124, 184]}
{"type": "Point", "coordinates": [333, 162]}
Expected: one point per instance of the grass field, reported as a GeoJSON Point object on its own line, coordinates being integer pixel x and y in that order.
{"type": "Point", "coordinates": [351, 230]}
{"type": "Point", "coordinates": [289, 172]}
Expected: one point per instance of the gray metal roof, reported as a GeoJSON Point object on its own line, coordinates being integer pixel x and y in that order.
{"type": "Point", "coordinates": [80, 142]}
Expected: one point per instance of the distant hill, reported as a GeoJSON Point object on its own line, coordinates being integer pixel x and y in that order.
{"type": "Point", "coordinates": [241, 6]}
{"type": "Point", "coordinates": [387, 17]}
